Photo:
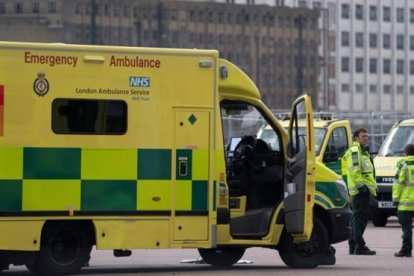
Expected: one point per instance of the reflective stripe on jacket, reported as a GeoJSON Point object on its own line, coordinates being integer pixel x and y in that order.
{"type": "Point", "coordinates": [403, 187]}
{"type": "Point", "coordinates": [360, 170]}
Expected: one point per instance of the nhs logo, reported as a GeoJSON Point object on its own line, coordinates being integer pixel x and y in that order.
{"type": "Point", "coordinates": [139, 82]}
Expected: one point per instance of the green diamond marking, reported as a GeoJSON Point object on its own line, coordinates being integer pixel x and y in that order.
{"type": "Point", "coordinates": [192, 119]}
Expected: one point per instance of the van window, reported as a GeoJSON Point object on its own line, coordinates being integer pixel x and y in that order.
{"type": "Point", "coordinates": [338, 142]}
{"type": "Point", "coordinates": [84, 116]}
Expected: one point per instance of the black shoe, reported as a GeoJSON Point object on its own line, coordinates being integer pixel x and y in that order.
{"type": "Point", "coordinates": [402, 253]}
{"type": "Point", "coordinates": [351, 250]}
{"type": "Point", "coordinates": [363, 250]}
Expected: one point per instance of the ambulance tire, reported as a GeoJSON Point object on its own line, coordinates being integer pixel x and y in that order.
{"type": "Point", "coordinates": [222, 256]}
{"type": "Point", "coordinates": [308, 254]}
{"type": "Point", "coordinates": [65, 249]}
{"type": "Point", "coordinates": [379, 219]}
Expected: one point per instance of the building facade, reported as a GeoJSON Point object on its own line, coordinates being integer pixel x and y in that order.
{"type": "Point", "coordinates": [277, 46]}
{"type": "Point", "coordinates": [369, 52]}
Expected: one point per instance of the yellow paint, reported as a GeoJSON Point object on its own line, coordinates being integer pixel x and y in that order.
{"type": "Point", "coordinates": [51, 195]}
{"type": "Point", "coordinates": [20, 235]}
{"type": "Point", "coordinates": [154, 195]}
{"type": "Point", "coordinates": [183, 190]}
{"type": "Point", "coordinates": [132, 233]}
{"type": "Point", "coordinates": [200, 164]}
{"type": "Point", "coordinates": [109, 164]}
{"type": "Point", "coordinates": [10, 163]}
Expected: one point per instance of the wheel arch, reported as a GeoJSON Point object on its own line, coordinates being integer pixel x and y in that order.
{"type": "Point", "coordinates": [87, 225]}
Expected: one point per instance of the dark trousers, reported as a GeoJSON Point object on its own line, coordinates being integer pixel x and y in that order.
{"type": "Point", "coordinates": [405, 218]}
{"type": "Point", "coordinates": [359, 220]}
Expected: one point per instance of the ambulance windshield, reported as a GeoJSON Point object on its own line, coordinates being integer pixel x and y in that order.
{"type": "Point", "coordinates": [396, 140]}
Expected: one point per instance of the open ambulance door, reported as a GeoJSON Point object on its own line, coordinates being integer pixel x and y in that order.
{"type": "Point", "coordinates": [299, 185]}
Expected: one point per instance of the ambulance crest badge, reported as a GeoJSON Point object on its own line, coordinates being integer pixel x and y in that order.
{"type": "Point", "coordinates": [41, 85]}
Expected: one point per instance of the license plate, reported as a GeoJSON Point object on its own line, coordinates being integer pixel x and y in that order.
{"type": "Point", "coordinates": [385, 204]}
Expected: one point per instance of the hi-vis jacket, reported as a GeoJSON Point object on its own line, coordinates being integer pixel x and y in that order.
{"type": "Point", "coordinates": [403, 187]}
{"type": "Point", "coordinates": [360, 170]}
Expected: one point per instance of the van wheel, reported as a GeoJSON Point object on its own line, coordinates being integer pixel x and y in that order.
{"type": "Point", "coordinates": [222, 256]}
{"type": "Point", "coordinates": [306, 254]}
{"type": "Point", "coordinates": [379, 219]}
{"type": "Point", "coordinates": [65, 249]}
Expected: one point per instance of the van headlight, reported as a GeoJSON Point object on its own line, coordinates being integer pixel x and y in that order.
{"type": "Point", "coordinates": [341, 186]}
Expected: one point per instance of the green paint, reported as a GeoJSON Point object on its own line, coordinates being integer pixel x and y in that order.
{"type": "Point", "coordinates": [323, 201]}
{"type": "Point", "coordinates": [110, 195]}
{"type": "Point", "coordinates": [335, 166]}
{"type": "Point", "coordinates": [192, 119]}
{"type": "Point", "coordinates": [51, 163]}
{"type": "Point", "coordinates": [199, 196]}
{"type": "Point", "coordinates": [154, 164]}
{"type": "Point", "coordinates": [184, 159]}
{"type": "Point", "coordinates": [10, 195]}
{"type": "Point", "coordinates": [214, 195]}
{"type": "Point", "coordinates": [330, 190]}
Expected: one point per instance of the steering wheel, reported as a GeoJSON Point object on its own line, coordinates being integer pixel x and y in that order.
{"type": "Point", "coordinates": [245, 147]}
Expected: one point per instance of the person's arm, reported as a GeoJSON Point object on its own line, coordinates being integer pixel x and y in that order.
{"type": "Point", "coordinates": [398, 184]}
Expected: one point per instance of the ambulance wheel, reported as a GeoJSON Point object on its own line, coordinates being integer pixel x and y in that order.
{"type": "Point", "coordinates": [222, 256]}
{"type": "Point", "coordinates": [308, 254]}
{"type": "Point", "coordinates": [379, 219]}
{"type": "Point", "coordinates": [65, 249]}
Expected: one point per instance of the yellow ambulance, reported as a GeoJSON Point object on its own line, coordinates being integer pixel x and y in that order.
{"type": "Point", "coordinates": [127, 148]}
{"type": "Point", "coordinates": [391, 151]}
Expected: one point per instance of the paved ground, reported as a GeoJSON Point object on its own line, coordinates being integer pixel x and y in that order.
{"type": "Point", "coordinates": [258, 261]}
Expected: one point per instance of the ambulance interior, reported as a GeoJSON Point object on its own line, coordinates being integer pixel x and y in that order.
{"type": "Point", "coordinates": [255, 169]}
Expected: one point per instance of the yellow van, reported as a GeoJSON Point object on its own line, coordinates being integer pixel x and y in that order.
{"type": "Point", "coordinates": [127, 148]}
{"type": "Point", "coordinates": [391, 151]}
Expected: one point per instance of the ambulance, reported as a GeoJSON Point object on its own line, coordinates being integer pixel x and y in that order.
{"type": "Point", "coordinates": [123, 148]}
{"type": "Point", "coordinates": [391, 151]}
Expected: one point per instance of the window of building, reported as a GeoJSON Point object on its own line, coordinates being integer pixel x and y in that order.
{"type": "Point", "coordinates": [51, 6]}
{"type": "Point", "coordinates": [345, 87]}
{"type": "Point", "coordinates": [345, 39]}
{"type": "Point", "coordinates": [373, 40]}
{"type": "Point", "coordinates": [386, 14]}
{"type": "Point", "coordinates": [359, 65]}
{"type": "Point", "coordinates": [387, 89]}
{"type": "Point", "coordinates": [317, 5]}
{"type": "Point", "coordinates": [81, 116]}
{"type": "Point", "coordinates": [400, 42]}
{"type": "Point", "coordinates": [386, 41]}
{"type": "Point", "coordinates": [400, 66]}
{"type": "Point", "coordinates": [302, 3]}
{"type": "Point", "coordinates": [373, 88]}
{"type": "Point", "coordinates": [18, 7]}
{"type": "Point", "coordinates": [411, 90]}
{"type": "Point", "coordinates": [386, 66]}
{"type": "Point", "coordinates": [345, 11]}
{"type": "Point", "coordinates": [345, 64]}
{"type": "Point", "coordinates": [400, 89]}
{"type": "Point", "coordinates": [411, 67]}
{"type": "Point", "coordinates": [359, 40]}
{"type": "Point", "coordinates": [400, 15]}
{"type": "Point", "coordinates": [359, 88]}
{"type": "Point", "coordinates": [2, 7]}
{"type": "Point", "coordinates": [373, 13]}
{"type": "Point", "coordinates": [107, 9]}
{"type": "Point", "coordinates": [373, 65]}
{"type": "Point", "coordinates": [35, 7]}
{"type": "Point", "coordinates": [359, 12]}
{"type": "Point", "coordinates": [411, 42]}
{"type": "Point", "coordinates": [411, 15]}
